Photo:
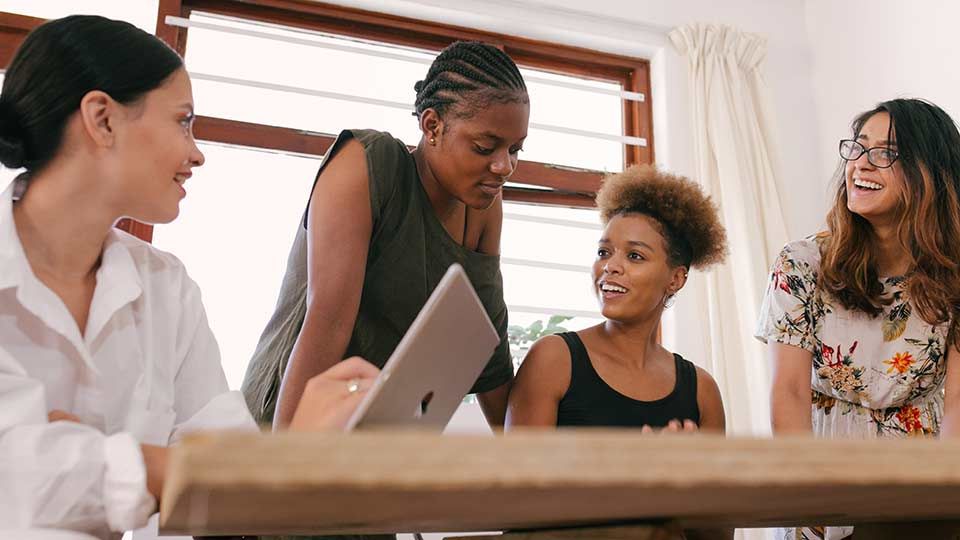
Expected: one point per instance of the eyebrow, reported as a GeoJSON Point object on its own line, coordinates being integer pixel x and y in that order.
{"type": "Point", "coordinates": [641, 244]}
{"type": "Point", "coordinates": [490, 135]}
{"type": "Point", "coordinates": [631, 242]}
{"type": "Point", "coordinates": [879, 143]}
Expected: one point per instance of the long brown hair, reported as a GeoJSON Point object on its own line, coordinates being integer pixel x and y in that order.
{"type": "Point", "coordinates": [928, 225]}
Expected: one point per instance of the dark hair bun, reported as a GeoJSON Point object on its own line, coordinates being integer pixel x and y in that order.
{"type": "Point", "coordinates": [58, 63]}
{"type": "Point", "coordinates": [418, 86]}
{"type": "Point", "coordinates": [12, 147]}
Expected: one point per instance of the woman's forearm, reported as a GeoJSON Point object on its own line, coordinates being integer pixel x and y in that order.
{"type": "Point", "coordinates": [950, 427]}
{"type": "Point", "coordinates": [305, 363]}
{"type": "Point", "coordinates": [790, 411]}
{"type": "Point", "coordinates": [494, 405]}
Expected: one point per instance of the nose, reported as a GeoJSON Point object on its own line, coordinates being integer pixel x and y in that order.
{"type": "Point", "coordinates": [503, 164]}
{"type": "Point", "coordinates": [196, 158]}
{"type": "Point", "coordinates": [863, 162]}
{"type": "Point", "coordinates": [613, 266]}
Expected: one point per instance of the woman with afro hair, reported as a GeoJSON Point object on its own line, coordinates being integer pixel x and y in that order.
{"type": "Point", "coordinates": [617, 373]}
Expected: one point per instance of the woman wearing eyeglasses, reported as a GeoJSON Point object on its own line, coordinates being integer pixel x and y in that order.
{"type": "Point", "coordinates": [862, 317]}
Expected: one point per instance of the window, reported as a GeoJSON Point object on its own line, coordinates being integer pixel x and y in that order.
{"type": "Point", "coordinates": [546, 256]}
{"type": "Point", "coordinates": [233, 234]}
{"type": "Point", "coordinates": [275, 80]}
{"type": "Point", "coordinates": [311, 43]}
{"type": "Point", "coordinates": [318, 98]}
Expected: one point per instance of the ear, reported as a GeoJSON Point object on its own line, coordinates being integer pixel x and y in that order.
{"type": "Point", "coordinates": [99, 117]}
{"type": "Point", "coordinates": [677, 280]}
{"type": "Point", "coordinates": [431, 125]}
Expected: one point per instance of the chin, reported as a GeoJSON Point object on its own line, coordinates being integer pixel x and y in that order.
{"type": "Point", "coordinates": [868, 214]}
{"type": "Point", "coordinates": [610, 313]}
{"type": "Point", "coordinates": [158, 216]}
{"type": "Point", "coordinates": [167, 219]}
{"type": "Point", "coordinates": [481, 203]}
{"type": "Point", "coordinates": [625, 314]}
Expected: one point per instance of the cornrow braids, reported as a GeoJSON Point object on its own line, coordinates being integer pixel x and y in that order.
{"type": "Point", "coordinates": [472, 74]}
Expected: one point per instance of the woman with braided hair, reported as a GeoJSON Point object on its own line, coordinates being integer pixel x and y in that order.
{"type": "Point", "coordinates": [383, 224]}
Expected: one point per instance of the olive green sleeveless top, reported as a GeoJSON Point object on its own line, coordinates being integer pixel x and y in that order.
{"type": "Point", "coordinates": [409, 252]}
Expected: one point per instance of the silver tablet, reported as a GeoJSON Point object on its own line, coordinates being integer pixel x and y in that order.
{"type": "Point", "coordinates": [436, 362]}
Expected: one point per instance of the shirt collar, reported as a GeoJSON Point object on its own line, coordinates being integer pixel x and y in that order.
{"type": "Point", "coordinates": [13, 262]}
{"type": "Point", "coordinates": [118, 282]}
{"type": "Point", "coordinates": [118, 279]}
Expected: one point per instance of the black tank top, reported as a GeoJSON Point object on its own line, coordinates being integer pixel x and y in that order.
{"type": "Point", "coordinates": [589, 401]}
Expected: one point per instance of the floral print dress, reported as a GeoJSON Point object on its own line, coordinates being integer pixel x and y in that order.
{"type": "Point", "coordinates": [872, 376]}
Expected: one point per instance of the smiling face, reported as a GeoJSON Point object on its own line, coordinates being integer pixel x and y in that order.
{"type": "Point", "coordinates": [474, 156]}
{"type": "Point", "coordinates": [872, 192]}
{"type": "Point", "coordinates": [155, 152]}
{"type": "Point", "coordinates": [632, 274]}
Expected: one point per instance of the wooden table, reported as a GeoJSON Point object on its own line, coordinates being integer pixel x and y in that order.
{"type": "Point", "coordinates": [375, 482]}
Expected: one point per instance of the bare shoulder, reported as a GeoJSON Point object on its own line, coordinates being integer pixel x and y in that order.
{"type": "Point", "coordinates": [547, 364]}
{"type": "Point", "coordinates": [341, 190]}
{"type": "Point", "coordinates": [549, 350]}
{"type": "Point", "coordinates": [705, 379]}
{"type": "Point", "coordinates": [710, 402]}
{"type": "Point", "coordinates": [351, 157]}
{"type": "Point", "coordinates": [707, 388]}
{"type": "Point", "coordinates": [541, 383]}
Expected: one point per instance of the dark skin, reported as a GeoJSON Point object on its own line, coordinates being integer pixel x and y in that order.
{"type": "Point", "coordinates": [624, 350]}
{"type": "Point", "coordinates": [463, 159]}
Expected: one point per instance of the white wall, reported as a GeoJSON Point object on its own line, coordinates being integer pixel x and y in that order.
{"type": "Point", "coordinates": [870, 51]}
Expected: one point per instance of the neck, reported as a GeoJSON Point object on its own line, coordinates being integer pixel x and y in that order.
{"type": "Point", "coordinates": [635, 342]}
{"type": "Point", "coordinates": [61, 224]}
{"type": "Point", "coordinates": [444, 204]}
{"type": "Point", "coordinates": [892, 259]}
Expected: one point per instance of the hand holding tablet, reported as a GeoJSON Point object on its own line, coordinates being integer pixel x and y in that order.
{"type": "Point", "coordinates": [436, 362]}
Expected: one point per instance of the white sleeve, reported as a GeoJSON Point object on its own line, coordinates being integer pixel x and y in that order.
{"type": "Point", "coordinates": [203, 398]}
{"type": "Point", "coordinates": [63, 474]}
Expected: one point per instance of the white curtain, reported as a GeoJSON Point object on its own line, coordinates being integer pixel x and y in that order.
{"type": "Point", "coordinates": [733, 143]}
{"type": "Point", "coordinates": [733, 150]}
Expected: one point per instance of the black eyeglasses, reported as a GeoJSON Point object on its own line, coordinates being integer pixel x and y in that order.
{"type": "Point", "coordinates": [878, 156]}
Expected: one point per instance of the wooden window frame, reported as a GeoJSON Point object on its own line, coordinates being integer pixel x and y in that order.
{"type": "Point", "coordinates": [550, 184]}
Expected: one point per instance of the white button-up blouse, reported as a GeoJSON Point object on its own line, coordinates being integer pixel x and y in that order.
{"type": "Point", "coordinates": [145, 370]}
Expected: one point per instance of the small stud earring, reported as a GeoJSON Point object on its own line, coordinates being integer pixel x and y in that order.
{"type": "Point", "coordinates": [433, 142]}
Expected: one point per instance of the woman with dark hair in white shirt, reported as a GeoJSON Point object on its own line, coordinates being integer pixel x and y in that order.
{"type": "Point", "coordinates": [106, 357]}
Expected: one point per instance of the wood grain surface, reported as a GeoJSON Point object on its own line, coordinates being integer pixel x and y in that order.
{"type": "Point", "coordinates": [407, 481]}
